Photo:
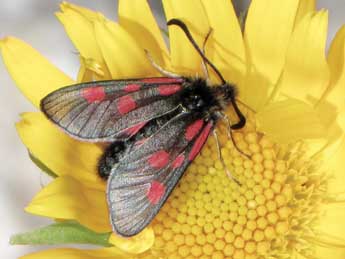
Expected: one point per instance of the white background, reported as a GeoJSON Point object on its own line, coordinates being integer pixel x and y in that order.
{"type": "Point", "coordinates": [34, 22]}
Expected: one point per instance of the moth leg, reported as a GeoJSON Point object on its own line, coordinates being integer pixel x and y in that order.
{"type": "Point", "coordinates": [230, 136]}
{"type": "Point", "coordinates": [159, 68]}
{"type": "Point", "coordinates": [204, 66]}
{"type": "Point", "coordinates": [220, 156]}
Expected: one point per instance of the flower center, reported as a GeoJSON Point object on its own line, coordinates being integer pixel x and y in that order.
{"type": "Point", "coordinates": [210, 216]}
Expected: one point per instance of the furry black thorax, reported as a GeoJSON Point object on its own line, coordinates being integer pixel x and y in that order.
{"type": "Point", "coordinates": [199, 96]}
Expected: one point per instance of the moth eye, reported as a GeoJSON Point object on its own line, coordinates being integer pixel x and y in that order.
{"type": "Point", "coordinates": [200, 103]}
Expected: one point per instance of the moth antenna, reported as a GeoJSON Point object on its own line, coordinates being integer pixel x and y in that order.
{"type": "Point", "coordinates": [230, 135]}
{"type": "Point", "coordinates": [204, 66]}
{"type": "Point", "coordinates": [159, 68]}
{"type": "Point", "coordinates": [242, 120]}
{"type": "Point", "coordinates": [185, 29]}
{"type": "Point", "coordinates": [220, 156]}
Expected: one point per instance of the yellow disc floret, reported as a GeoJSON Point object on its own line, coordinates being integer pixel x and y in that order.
{"type": "Point", "coordinates": [211, 216]}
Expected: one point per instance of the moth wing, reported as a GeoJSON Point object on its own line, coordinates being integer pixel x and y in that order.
{"type": "Point", "coordinates": [140, 184]}
{"type": "Point", "coordinates": [110, 110]}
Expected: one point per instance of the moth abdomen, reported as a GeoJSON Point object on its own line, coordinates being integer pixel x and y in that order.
{"type": "Point", "coordinates": [112, 155]}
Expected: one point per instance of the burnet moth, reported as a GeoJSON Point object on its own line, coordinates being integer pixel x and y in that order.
{"type": "Point", "coordinates": [156, 127]}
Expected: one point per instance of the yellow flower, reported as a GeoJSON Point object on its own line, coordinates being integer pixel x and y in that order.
{"type": "Point", "coordinates": [289, 204]}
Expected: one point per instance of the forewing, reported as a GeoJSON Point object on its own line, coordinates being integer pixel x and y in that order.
{"type": "Point", "coordinates": [140, 184]}
{"type": "Point", "coordinates": [111, 110]}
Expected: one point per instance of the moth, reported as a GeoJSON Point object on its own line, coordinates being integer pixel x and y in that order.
{"type": "Point", "coordinates": [156, 127]}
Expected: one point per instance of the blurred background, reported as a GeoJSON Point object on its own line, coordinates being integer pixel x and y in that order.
{"type": "Point", "coordinates": [34, 22]}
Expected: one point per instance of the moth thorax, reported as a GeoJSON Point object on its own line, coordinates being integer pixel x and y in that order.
{"type": "Point", "coordinates": [198, 96]}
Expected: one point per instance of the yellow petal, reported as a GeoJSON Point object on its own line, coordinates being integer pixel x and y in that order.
{"type": "Point", "coordinates": [254, 90]}
{"type": "Point", "coordinates": [332, 119]}
{"type": "Point", "coordinates": [73, 253]}
{"type": "Point", "coordinates": [331, 106]}
{"type": "Point", "coordinates": [80, 31]}
{"type": "Point", "coordinates": [145, 29]}
{"type": "Point", "coordinates": [34, 74]}
{"type": "Point", "coordinates": [335, 163]}
{"type": "Point", "coordinates": [184, 57]}
{"type": "Point", "coordinates": [332, 222]}
{"type": "Point", "coordinates": [87, 13]}
{"type": "Point", "coordinates": [331, 252]}
{"type": "Point", "coordinates": [66, 198]}
{"type": "Point", "coordinates": [336, 60]}
{"type": "Point", "coordinates": [79, 26]}
{"type": "Point", "coordinates": [304, 7]}
{"type": "Point", "coordinates": [267, 33]}
{"type": "Point", "coordinates": [136, 244]}
{"type": "Point", "coordinates": [59, 152]}
{"type": "Point", "coordinates": [123, 56]}
{"type": "Point", "coordinates": [289, 121]}
{"type": "Point", "coordinates": [225, 47]}
{"type": "Point", "coordinates": [332, 227]}
{"type": "Point", "coordinates": [306, 71]}
{"type": "Point", "coordinates": [91, 70]}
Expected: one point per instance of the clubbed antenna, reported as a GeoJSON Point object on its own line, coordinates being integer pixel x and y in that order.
{"type": "Point", "coordinates": [184, 28]}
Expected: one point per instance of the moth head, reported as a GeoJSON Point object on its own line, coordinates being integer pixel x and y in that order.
{"type": "Point", "coordinates": [225, 94]}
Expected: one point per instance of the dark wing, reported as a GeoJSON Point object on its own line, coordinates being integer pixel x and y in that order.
{"type": "Point", "coordinates": [140, 184]}
{"type": "Point", "coordinates": [111, 110]}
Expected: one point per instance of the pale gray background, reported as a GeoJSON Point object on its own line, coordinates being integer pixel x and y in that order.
{"type": "Point", "coordinates": [34, 22]}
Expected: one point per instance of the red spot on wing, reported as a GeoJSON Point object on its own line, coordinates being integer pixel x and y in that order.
{"type": "Point", "coordinates": [161, 80]}
{"type": "Point", "coordinates": [125, 104]}
{"type": "Point", "coordinates": [159, 159]}
{"type": "Point", "coordinates": [156, 192]}
{"type": "Point", "coordinates": [193, 129]}
{"type": "Point", "coordinates": [132, 88]}
{"type": "Point", "coordinates": [200, 142]}
{"type": "Point", "coordinates": [170, 89]}
{"type": "Point", "coordinates": [93, 94]}
{"type": "Point", "coordinates": [134, 129]}
{"type": "Point", "coordinates": [178, 161]}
